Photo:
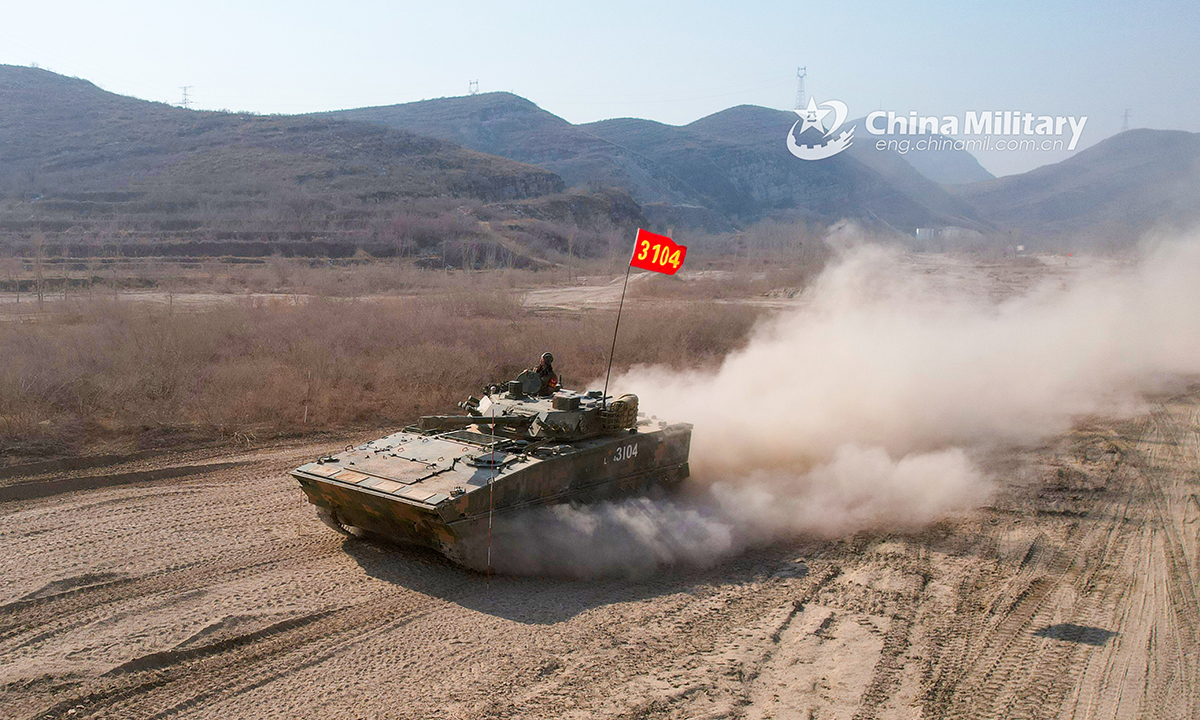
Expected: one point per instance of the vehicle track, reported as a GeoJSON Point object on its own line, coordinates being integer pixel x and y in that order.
{"type": "Point", "coordinates": [885, 675]}
{"type": "Point", "coordinates": [165, 683]}
{"type": "Point", "coordinates": [988, 662]}
{"type": "Point", "coordinates": [33, 489]}
{"type": "Point", "coordinates": [58, 613]}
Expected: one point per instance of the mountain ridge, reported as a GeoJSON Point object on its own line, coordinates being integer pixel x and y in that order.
{"type": "Point", "coordinates": [75, 156]}
{"type": "Point", "coordinates": [1118, 188]}
{"type": "Point", "coordinates": [732, 175]}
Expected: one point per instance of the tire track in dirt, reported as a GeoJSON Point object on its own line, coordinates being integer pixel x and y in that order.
{"type": "Point", "coordinates": [806, 596]}
{"type": "Point", "coordinates": [1160, 433]}
{"type": "Point", "coordinates": [1177, 549]}
{"type": "Point", "coordinates": [885, 675]}
{"type": "Point", "coordinates": [728, 673]}
{"type": "Point", "coordinates": [38, 619]}
{"type": "Point", "coordinates": [166, 514]}
{"type": "Point", "coordinates": [1139, 671]}
{"type": "Point", "coordinates": [975, 675]}
{"type": "Point", "coordinates": [1089, 592]}
{"type": "Point", "coordinates": [55, 614]}
{"type": "Point", "coordinates": [152, 459]}
{"type": "Point", "coordinates": [36, 489]}
{"type": "Point", "coordinates": [162, 683]}
{"type": "Point", "coordinates": [989, 662]}
{"type": "Point", "coordinates": [662, 656]}
{"type": "Point", "coordinates": [1165, 612]}
{"type": "Point", "coordinates": [70, 464]}
{"type": "Point", "coordinates": [52, 613]}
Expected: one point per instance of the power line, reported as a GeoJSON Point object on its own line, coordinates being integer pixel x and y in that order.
{"type": "Point", "coordinates": [801, 73]}
{"type": "Point", "coordinates": [1125, 123]}
{"type": "Point", "coordinates": [187, 101]}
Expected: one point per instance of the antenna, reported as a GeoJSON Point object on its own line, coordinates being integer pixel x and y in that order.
{"type": "Point", "coordinates": [801, 72]}
{"type": "Point", "coordinates": [1125, 123]}
{"type": "Point", "coordinates": [473, 87]}
{"type": "Point", "coordinates": [187, 101]}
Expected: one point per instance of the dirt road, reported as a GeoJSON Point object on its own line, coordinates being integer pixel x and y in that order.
{"type": "Point", "coordinates": [199, 585]}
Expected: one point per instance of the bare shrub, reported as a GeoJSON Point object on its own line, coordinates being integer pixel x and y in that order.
{"type": "Point", "coordinates": [112, 369]}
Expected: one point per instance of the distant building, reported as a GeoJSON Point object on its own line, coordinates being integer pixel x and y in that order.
{"type": "Point", "coordinates": [959, 233]}
{"type": "Point", "coordinates": [947, 233]}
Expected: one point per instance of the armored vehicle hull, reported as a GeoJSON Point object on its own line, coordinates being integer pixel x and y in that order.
{"type": "Point", "coordinates": [436, 485]}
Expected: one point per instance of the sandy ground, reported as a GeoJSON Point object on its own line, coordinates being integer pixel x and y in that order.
{"type": "Point", "coordinates": [199, 585]}
{"type": "Point", "coordinates": [595, 292]}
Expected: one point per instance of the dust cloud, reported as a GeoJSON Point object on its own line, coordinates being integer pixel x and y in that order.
{"type": "Point", "coordinates": [861, 409]}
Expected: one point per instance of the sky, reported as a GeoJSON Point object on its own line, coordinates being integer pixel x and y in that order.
{"type": "Point", "coordinates": [673, 62]}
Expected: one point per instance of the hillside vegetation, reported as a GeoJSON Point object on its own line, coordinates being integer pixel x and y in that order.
{"type": "Point", "coordinates": [97, 173]}
{"type": "Point", "coordinates": [1110, 193]}
{"type": "Point", "coordinates": [727, 170]}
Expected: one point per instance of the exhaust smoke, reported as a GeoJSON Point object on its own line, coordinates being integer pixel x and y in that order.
{"type": "Point", "coordinates": [860, 409]}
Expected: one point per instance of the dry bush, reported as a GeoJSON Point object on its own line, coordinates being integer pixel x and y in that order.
{"type": "Point", "coordinates": [110, 369]}
{"type": "Point", "coordinates": [400, 277]}
{"type": "Point", "coordinates": [360, 277]}
{"type": "Point", "coordinates": [767, 258]}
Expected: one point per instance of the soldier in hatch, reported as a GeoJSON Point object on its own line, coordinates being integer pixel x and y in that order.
{"type": "Point", "coordinates": [545, 371]}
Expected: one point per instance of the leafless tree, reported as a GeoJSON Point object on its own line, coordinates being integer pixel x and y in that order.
{"type": "Point", "coordinates": [39, 269]}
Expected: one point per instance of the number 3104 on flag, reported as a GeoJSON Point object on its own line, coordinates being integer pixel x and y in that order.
{"type": "Point", "coordinates": [657, 253]}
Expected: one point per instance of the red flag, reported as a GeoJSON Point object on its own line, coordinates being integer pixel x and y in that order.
{"type": "Point", "coordinates": [657, 252]}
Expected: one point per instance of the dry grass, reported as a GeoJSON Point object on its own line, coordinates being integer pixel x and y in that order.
{"type": "Point", "coordinates": [768, 258]}
{"type": "Point", "coordinates": [220, 283]}
{"type": "Point", "coordinates": [101, 369]}
{"type": "Point", "coordinates": [725, 284]}
{"type": "Point", "coordinates": [284, 346]}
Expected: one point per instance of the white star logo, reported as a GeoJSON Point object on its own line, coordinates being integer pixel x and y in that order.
{"type": "Point", "coordinates": [813, 116]}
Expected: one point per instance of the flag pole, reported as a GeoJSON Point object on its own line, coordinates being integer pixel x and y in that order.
{"type": "Point", "coordinates": [628, 268]}
{"type": "Point", "coordinates": [491, 496]}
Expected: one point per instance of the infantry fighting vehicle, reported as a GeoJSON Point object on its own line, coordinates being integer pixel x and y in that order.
{"type": "Point", "coordinates": [436, 484]}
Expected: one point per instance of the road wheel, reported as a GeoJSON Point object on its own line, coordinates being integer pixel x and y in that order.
{"type": "Point", "coordinates": [331, 519]}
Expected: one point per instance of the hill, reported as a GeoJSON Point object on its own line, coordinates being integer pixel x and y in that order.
{"type": "Point", "coordinates": [890, 190]}
{"type": "Point", "coordinates": [728, 169]}
{"type": "Point", "coordinates": [946, 166]}
{"type": "Point", "coordinates": [510, 126]}
{"type": "Point", "coordinates": [949, 166]}
{"type": "Point", "coordinates": [1111, 192]}
{"type": "Point", "coordinates": [92, 165]}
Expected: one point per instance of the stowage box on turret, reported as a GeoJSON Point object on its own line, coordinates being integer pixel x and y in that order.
{"type": "Point", "coordinates": [435, 484]}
